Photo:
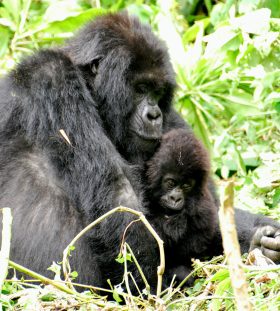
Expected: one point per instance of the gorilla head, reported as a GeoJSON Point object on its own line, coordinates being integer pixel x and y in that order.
{"type": "Point", "coordinates": [130, 77]}
{"type": "Point", "coordinates": [178, 173]}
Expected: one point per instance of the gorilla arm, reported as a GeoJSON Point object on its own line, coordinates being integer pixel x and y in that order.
{"type": "Point", "coordinates": [53, 186]}
{"type": "Point", "coordinates": [254, 231]}
{"type": "Point", "coordinates": [258, 231]}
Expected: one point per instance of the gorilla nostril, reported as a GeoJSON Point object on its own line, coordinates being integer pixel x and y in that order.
{"type": "Point", "coordinates": [153, 116]}
{"type": "Point", "coordinates": [176, 199]}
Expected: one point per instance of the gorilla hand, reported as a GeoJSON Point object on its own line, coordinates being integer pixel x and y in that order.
{"type": "Point", "coordinates": [267, 239]}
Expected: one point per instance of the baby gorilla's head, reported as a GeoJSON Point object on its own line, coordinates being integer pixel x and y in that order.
{"type": "Point", "coordinates": [178, 172]}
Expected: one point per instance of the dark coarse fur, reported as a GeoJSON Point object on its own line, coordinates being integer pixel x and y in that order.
{"type": "Point", "coordinates": [55, 188]}
{"type": "Point", "coordinates": [189, 232]}
{"type": "Point", "coordinates": [110, 90]}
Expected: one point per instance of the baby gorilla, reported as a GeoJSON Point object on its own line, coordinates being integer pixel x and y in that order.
{"type": "Point", "coordinates": [181, 207]}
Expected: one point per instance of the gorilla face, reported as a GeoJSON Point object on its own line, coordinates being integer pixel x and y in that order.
{"type": "Point", "coordinates": [130, 77]}
{"type": "Point", "coordinates": [174, 192]}
{"type": "Point", "coordinates": [146, 122]}
{"type": "Point", "coordinates": [178, 173]}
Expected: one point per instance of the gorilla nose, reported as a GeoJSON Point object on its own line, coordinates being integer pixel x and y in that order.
{"type": "Point", "coordinates": [153, 116]}
{"type": "Point", "coordinates": [176, 198]}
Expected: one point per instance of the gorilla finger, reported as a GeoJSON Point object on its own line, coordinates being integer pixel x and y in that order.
{"type": "Point", "coordinates": [277, 233]}
{"type": "Point", "coordinates": [269, 230]}
{"type": "Point", "coordinates": [271, 243]}
{"type": "Point", "coordinates": [264, 231]}
{"type": "Point", "coordinates": [273, 255]}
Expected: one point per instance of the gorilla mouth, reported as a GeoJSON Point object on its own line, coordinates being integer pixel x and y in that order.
{"type": "Point", "coordinates": [169, 212]}
{"type": "Point", "coordinates": [147, 138]}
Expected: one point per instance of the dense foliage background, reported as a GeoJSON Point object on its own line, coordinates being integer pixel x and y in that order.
{"type": "Point", "coordinates": [227, 58]}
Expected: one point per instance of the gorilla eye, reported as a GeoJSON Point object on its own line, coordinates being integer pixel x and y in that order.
{"type": "Point", "coordinates": [159, 93]}
{"type": "Point", "coordinates": [170, 183]}
{"type": "Point", "coordinates": [188, 185]}
{"type": "Point", "coordinates": [141, 88]}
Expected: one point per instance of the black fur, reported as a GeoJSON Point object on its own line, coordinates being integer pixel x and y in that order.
{"type": "Point", "coordinates": [88, 90]}
{"type": "Point", "coordinates": [189, 232]}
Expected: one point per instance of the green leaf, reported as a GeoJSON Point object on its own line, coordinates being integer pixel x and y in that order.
{"type": "Point", "coordinates": [277, 107]}
{"type": "Point", "coordinates": [257, 22]}
{"type": "Point", "coordinates": [7, 23]}
{"type": "Point", "coordinates": [60, 10]}
{"type": "Point", "coordinates": [245, 6]}
{"type": "Point", "coordinates": [56, 269]}
{"type": "Point", "coordinates": [220, 275]}
{"type": "Point", "coordinates": [276, 197]}
{"type": "Point", "coordinates": [273, 5]}
{"type": "Point", "coordinates": [5, 37]}
{"type": "Point", "coordinates": [143, 11]}
{"type": "Point", "coordinates": [116, 296]}
{"type": "Point", "coordinates": [221, 290]}
{"type": "Point", "coordinates": [116, 291]}
{"type": "Point", "coordinates": [72, 23]}
{"type": "Point", "coordinates": [70, 249]}
{"type": "Point", "coordinates": [218, 39]}
{"type": "Point", "coordinates": [74, 274]}
{"type": "Point", "coordinates": [120, 258]}
{"type": "Point", "coordinates": [191, 33]}
{"type": "Point", "coordinates": [14, 8]}
{"type": "Point", "coordinates": [240, 163]}
{"type": "Point", "coordinates": [220, 12]}
{"type": "Point", "coordinates": [48, 297]}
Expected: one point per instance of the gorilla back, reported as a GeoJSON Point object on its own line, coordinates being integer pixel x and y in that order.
{"type": "Point", "coordinates": [110, 91]}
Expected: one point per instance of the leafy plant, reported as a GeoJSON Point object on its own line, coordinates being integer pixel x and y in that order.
{"type": "Point", "coordinates": [26, 25]}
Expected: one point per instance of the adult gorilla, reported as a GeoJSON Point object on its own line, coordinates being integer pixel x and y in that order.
{"type": "Point", "coordinates": [110, 91]}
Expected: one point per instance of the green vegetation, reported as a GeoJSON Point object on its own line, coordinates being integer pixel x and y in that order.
{"type": "Point", "coordinates": [227, 58]}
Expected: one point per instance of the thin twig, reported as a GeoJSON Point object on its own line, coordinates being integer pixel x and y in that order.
{"type": "Point", "coordinates": [40, 277]}
{"type": "Point", "coordinates": [125, 230]}
{"type": "Point", "coordinates": [121, 209]}
{"type": "Point", "coordinates": [147, 286]}
{"type": "Point", "coordinates": [129, 300]}
{"type": "Point", "coordinates": [136, 286]}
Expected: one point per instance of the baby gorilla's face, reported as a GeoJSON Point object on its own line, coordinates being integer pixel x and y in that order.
{"type": "Point", "coordinates": [174, 192]}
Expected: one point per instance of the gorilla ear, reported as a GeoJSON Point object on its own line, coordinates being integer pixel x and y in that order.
{"type": "Point", "coordinates": [94, 65]}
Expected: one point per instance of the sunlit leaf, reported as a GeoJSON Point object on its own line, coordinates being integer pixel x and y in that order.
{"type": "Point", "coordinates": [14, 8]}
{"type": "Point", "coordinates": [220, 275]}
{"type": "Point", "coordinates": [72, 23]}
{"type": "Point", "coordinates": [221, 290]}
{"type": "Point", "coordinates": [5, 36]}
{"type": "Point", "coordinates": [256, 22]}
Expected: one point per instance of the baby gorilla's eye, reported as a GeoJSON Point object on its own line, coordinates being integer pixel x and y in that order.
{"type": "Point", "coordinates": [188, 185]}
{"type": "Point", "coordinates": [170, 183]}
